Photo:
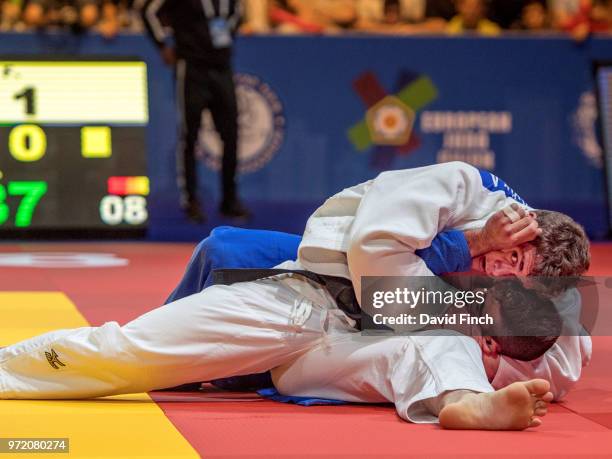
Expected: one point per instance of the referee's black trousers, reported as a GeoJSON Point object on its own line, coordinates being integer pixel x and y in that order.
{"type": "Point", "coordinates": [201, 87]}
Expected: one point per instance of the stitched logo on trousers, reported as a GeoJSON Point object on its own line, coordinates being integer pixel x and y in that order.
{"type": "Point", "coordinates": [53, 359]}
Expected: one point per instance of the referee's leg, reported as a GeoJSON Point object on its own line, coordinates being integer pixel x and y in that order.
{"type": "Point", "coordinates": [224, 110]}
{"type": "Point", "coordinates": [192, 98]}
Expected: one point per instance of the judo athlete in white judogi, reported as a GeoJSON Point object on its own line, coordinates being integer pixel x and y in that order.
{"type": "Point", "coordinates": [366, 223]}
{"type": "Point", "coordinates": [371, 229]}
{"type": "Point", "coordinates": [422, 375]}
{"type": "Point", "coordinates": [375, 369]}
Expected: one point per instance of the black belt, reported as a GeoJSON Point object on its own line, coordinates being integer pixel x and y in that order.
{"type": "Point", "coordinates": [339, 288]}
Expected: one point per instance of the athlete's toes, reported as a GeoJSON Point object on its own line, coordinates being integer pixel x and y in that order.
{"type": "Point", "coordinates": [547, 397]}
{"type": "Point", "coordinates": [535, 422]}
{"type": "Point", "coordinates": [540, 412]}
{"type": "Point", "coordinates": [540, 404]}
{"type": "Point", "coordinates": [538, 387]}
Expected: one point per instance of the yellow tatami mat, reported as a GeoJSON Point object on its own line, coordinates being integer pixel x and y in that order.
{"type": "Point", "coordinates": [126, 426]}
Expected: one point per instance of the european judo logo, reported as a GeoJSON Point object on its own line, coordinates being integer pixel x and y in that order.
{"type": "Point", "coordinates": [390, 118]}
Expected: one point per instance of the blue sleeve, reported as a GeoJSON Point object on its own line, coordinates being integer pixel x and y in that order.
{"type": "Point", "coordinates": [448, 253]}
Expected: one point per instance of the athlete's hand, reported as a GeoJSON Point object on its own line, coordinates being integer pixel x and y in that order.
{"type": "Point", "coordinates": [503, 232]}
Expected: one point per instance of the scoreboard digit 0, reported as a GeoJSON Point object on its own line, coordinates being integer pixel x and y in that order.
{"type": "Point", "coordinates": [72, 145]}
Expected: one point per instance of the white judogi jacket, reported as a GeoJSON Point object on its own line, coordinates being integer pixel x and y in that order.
{"type": "Point", "coordinates": [403, 370]}
{"type": "Point", "coordinates": [375, 228]}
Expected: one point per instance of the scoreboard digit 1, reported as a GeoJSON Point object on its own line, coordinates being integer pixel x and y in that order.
{"type": "Point", "coordinates": [72, 146]}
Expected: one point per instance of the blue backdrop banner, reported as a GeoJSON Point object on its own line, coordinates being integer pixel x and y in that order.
{"type": "Point", "coordinates": [322, 113]}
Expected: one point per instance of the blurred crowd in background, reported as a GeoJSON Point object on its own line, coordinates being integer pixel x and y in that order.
{"type": "Point", "coordinates": [580, 18]}
{"type": "Point", "coordinates": [109, 17]}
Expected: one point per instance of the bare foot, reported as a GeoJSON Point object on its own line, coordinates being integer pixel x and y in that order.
{"type": "Point", "coordinates": [515, 407]}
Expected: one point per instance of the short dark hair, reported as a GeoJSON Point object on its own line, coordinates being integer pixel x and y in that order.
{"type": "Point", "coordinates": [529, 323]}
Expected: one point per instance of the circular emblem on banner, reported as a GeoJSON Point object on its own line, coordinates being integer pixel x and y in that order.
{"type": "Point", "coordinates": [261, 124]}
{"type": "Point", "coordinates": [584, 121]}
{"type": "Point", "coordinates": [391, 121]}
{"type": "Point", "coordinates": [61, 260]}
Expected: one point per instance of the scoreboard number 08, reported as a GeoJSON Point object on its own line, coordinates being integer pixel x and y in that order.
{"type": "Point", "coordinates": [115, 210]}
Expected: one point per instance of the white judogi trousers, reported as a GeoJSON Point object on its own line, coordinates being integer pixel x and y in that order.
{"type": "Point", "coordinates": [223, 331]}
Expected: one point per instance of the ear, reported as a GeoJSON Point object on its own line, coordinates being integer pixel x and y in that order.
{"type": "Point", "coordinates": [500, 268]}
{"type": "Point", "coordinates": [489, 346]}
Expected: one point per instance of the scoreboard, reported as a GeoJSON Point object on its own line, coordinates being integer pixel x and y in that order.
{"type": "Point", "coordinates": [72, 146]}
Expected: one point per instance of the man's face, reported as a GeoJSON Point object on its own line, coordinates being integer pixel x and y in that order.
{"type": "Point", "coordinates": [601, 12]}
{"type": "Point", "coordinates": [472, 11]}
{"type": "Point", "coordinates": [534, 16]}
{"type": "Point", "coordinates": [518, 261]}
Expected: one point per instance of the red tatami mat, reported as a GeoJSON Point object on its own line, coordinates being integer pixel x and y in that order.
{"type": "Point", "coordinates": [232, 425]}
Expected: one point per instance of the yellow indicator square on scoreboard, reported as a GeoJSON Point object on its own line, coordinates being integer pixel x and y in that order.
{"type": "Point", "coordinates": [96, 142]}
